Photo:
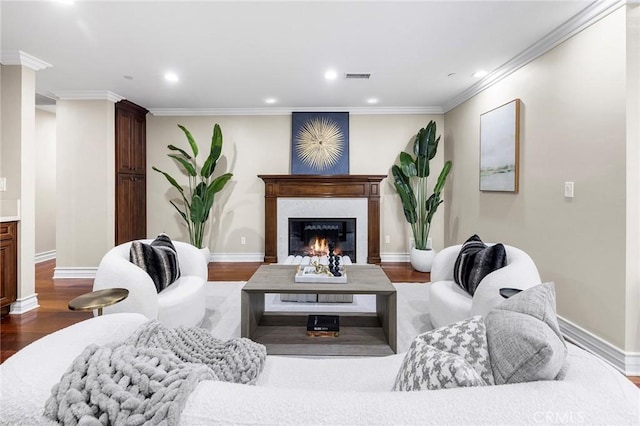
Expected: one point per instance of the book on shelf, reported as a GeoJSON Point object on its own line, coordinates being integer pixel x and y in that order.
{"type": "Point", "coordinates": [323, 323]}
{"type": "Point", "coordinates": [312, 333]}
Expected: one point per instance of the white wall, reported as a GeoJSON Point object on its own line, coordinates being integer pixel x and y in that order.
{"type": "Point", "coordinates": [45, 168]}
{"type": "Point", "coordinates": [10, 136]}
{"type": "Point", "coordinates": [85, 182]}
{"type": "Point", "coordinates": [573, 129]}
{"type": "Point", "coordinates": [632, 310]}
{"type": "Point", "coordinates": [256, 145]}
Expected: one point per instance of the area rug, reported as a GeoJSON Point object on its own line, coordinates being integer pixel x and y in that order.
{"type": "Point", "coordinates": [222, 317]}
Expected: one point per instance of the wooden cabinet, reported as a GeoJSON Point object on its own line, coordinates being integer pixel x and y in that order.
{"type": "Point", "coordinates": [131, 163]}
{"type": "Point", "coordinates": [8, 265]}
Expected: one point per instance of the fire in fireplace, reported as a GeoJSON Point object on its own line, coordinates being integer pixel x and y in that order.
{"type": "Point", "coordinates": [312, 237]}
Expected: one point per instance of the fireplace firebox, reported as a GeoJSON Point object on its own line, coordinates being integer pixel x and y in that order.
{"type": "Point", "coordinates": [312, 236]}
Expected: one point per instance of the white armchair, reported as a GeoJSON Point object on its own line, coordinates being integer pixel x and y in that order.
{"type": "Point", "coordinates": [449, 303]}
{"type": "Point", "coordinates": [180, 304]}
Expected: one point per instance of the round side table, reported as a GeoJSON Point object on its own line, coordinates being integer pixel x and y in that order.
{"type": "Point", "coordinates": [98, 299]}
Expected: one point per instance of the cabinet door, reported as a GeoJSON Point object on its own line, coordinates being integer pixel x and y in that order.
{"type": "Point", "coordinates": [124, 124]}
{"type": "Point", "coordinates": [8, 263]}
{"type": "Point", "coordinates": [130, 138]}
{"type": "Point", "coordinates": [131, 208]}
{"type": "Point", "coordinates": [138, 145]}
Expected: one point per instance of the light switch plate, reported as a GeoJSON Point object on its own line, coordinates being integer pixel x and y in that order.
{"type": "Point", "coordinates": [3, 184]}
{"type": "Point", "coordinates": [568, 189]}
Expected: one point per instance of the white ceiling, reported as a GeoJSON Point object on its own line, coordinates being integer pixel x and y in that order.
{"type": "Point", "coordinates": [237, 54]}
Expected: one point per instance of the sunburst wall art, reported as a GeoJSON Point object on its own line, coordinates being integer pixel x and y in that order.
{"type": "Point", "coordinates": [320, 143]}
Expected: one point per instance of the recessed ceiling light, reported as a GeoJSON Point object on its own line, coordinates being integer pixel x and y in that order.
{"type": "Point", "coordinates": [65, 2]}
{"type": "Point", "coordinates": [171, 77]}
{"type": "Point", "coordinates": [480, 74]}
{"type": "Point", "coordinates": [270, 100]}
{"type": "Point", "coordinates": [372, 100]}
{"type": "Point", "coordinates": [330, 75]}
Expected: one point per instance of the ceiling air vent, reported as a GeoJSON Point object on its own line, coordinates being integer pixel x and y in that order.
{"type": "Point", "coordinates": [358, 75]}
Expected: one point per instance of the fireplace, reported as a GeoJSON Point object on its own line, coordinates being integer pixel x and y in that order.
{"type": "Point", "coordinates": [336, 196]}
{"type": "Point", "coordinates": [314, 236]}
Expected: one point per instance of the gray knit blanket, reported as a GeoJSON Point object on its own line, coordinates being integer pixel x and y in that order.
{"type": "Point", "coordinates": [147, 379]}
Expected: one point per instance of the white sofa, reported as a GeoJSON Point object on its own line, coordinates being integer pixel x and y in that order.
{"type": "Point", "coordinates": [449, 303]}
{"type": "Point", "coordinates": [342, 391]}
{"type": "Point", "coordinates": [182, 303]}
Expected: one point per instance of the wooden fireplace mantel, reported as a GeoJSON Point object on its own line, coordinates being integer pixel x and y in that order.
{"type": "Point", "coordinates": [321, 186]}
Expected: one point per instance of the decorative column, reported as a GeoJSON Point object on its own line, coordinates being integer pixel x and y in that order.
{"type": "Point", "coordinates": [17, 143]}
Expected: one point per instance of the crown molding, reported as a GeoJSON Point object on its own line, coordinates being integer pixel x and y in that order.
{"type": "Point", "coordinates": [588, 16]}
{"type": "Point", "coordinates": [18, 57]}
{"type": "Point", "coordinates": [289, 110]}
{"type": "Point", "coordinates": [87, 95]}
{"type": "Point", "coordinates": [47, 108]}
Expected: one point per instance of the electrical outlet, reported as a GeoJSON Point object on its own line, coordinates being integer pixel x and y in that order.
{"type": "Point", "coordinates": [243, 240]}
{"type": "Point", "coordinates": [3, 184]}
{"type": "Point", "coordinates": [412, 243]}
{"type": "Point", "coordinates": [429, 241]}
{"type": "Point", "coordinates": [387, 239]}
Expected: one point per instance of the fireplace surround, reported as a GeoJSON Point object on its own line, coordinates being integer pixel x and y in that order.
{"type": "Point", "coordinates": [322, 186]}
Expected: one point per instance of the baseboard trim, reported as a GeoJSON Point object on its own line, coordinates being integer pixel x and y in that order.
{"type": "Point", "coordinates": [25, 304]}
{"type": "Point", "coordinates": [394, 257]}
{"type": "Point", "coordinates": [236, 257]}
{"type": "Point", "coordinates": [74, 273]}
{"type": "Point", "coordinates": [259, 257]}
{"type": "Point", "coordinates": [626, 362]}
{"type": "Point", "coordinates": [45, 255]}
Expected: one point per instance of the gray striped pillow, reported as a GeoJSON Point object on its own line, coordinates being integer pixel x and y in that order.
{"type": "Point", "coordinates": [158, 259]}
{"type": "Point", "coordinates": [475, 261]}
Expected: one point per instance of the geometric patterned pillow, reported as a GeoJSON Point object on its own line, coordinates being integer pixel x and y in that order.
{"type": "Point", "coordinates": [467, 339]}
{"type": "Point", "coordinates": [427, 368]}
{"type": "Point", "coordinates": [158, 259]}
{"type": "Point", "coordinates": [475, 261]}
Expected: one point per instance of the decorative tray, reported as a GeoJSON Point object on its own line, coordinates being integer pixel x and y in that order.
{"type": "Point", "coordinates": [308, 274]}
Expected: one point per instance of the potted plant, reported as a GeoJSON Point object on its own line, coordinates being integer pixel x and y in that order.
{"type": "Point", "coordinates": [410, 180]}
{"type": "Point", "coordinates": [198, 196]}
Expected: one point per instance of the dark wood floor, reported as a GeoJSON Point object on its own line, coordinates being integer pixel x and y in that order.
{"type": "Point", "coordinates": [17, 331]}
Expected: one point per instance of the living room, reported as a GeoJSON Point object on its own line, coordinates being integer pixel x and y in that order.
{"type": "Point", "coordinates": [580, 100]}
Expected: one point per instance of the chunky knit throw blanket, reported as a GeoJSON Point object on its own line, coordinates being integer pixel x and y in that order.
{"type": "Point", "coordinates": [147, 379]}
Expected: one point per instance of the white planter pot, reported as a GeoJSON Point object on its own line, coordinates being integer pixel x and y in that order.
{"type": "Point", "coordinates": [206, 253]}
{"type": "Point", "coordinates": [421, 260]}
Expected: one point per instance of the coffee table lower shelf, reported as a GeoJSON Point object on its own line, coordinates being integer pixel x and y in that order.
{"type": "Point", "coordinates": [286, 334]}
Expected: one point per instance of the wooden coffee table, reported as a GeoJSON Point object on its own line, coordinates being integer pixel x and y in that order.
{"type": "Point", "coordinates": [285, 333]}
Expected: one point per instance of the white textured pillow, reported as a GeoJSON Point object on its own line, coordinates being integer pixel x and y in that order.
{"type": "Point", "coordinates": [427, 368]}
{"type": "Point", "coordinates": [525, 342]}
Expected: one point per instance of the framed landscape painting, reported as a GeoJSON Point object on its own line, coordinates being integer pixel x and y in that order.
{"type": "Point", "coordinates": [500, 148]}
{"type": "Point", "coordinates": [320, 143]}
